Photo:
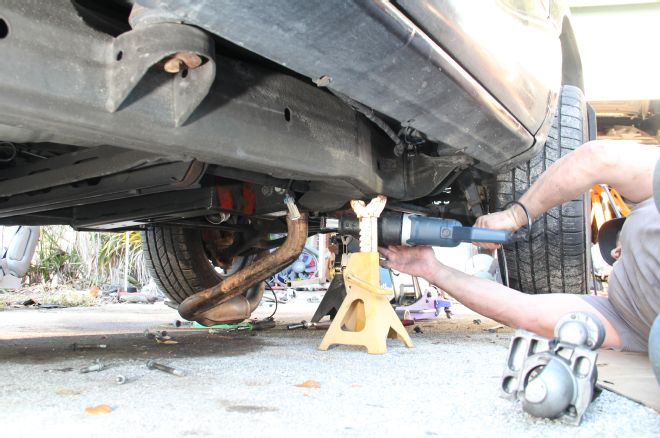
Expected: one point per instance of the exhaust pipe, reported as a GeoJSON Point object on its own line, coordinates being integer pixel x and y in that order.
{"type": "Point", "coordinates": [235, 310]}
{"type": "Point", "coordinates": [202, 306]}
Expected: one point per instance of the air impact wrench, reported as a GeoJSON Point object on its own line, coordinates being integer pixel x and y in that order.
{"type": "Point", "coordinates": [412, 230]}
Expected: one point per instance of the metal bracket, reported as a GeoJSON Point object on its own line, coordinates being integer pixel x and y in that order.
{"type": "Point", "coordinates": [133, 53]}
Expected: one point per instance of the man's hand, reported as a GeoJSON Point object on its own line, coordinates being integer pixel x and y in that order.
{"type": "Point", "coordinates": [418, 261]}
{"type": "Point", "coordinates": [511, 219]}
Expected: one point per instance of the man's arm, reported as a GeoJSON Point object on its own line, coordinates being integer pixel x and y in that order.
{"type": "Point", "coordinates": [536, 313]}
{"type": "Point", "coordinates": [624, 165]}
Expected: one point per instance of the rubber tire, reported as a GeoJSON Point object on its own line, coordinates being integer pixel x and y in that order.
{"type": "Point", "coordinates": [556, 259]}
{"type": "Point", "coordinates": [177, 262]}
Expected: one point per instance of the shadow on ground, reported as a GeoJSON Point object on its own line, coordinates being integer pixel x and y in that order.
{"type": "Point", "coordinates": [50, 349]}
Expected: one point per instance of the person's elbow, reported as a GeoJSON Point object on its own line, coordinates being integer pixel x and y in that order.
{"type": "Point", "coordinates": [531, 316]}
{"type": "Point", "coordinates": [601, 157]}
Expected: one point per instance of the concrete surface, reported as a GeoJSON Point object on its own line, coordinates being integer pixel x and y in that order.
{"type": "Point", "coordinates": [237, 384]}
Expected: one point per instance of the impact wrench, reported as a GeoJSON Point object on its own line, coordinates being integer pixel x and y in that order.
{"type": "Point", "coordinates": [412, 230]}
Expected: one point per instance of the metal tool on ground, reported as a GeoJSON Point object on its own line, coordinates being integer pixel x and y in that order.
{"type": "Point", "coordinates": [58, 370]}
{"type": "Point", "coordinates": [164, 368]}
{"type": "Point", "coordinates": [98, 366]}
{"type": "Point", "coordinates": [78, 347]}
{"type": "Point", "coordinates": [120, 379]}
{"type": "Point", "coordinates": [309, 325]}
{"type": "Point", "coordinates": [366, 316]}
{"type": "Point", "coordinates": [555, 378]}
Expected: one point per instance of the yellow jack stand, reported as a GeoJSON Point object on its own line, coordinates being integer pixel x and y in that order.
{"type": "Point", "coordinates": [366, 316]}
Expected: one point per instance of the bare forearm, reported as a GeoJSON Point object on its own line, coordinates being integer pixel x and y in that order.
{"type": "Point", "coordinates": [626, 166]}
{"type": "Point", "coordinates": [485, 297]}
{"type": "Point", "coordinates": [536, 313]}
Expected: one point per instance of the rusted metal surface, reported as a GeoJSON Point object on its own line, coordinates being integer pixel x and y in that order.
{"type": "Point", "coordinates": [192, 308]}
{"type": "Point", "coordinates": [181, 61]}
{"type": "Point", "coordinates": [217, 243]}
{"type": "Point", "coordinates": [236, 309]}
{"type": "Point", "coordinates": [195, 172]}
{"type": "Point", "coordinates": [132, 54]}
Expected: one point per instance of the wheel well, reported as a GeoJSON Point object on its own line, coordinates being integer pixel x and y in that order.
{"type": "Point", "coordinates": [571, 64]}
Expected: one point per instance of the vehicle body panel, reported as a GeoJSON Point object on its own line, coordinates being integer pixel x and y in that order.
{"type": "Point", "coordinates": [488, 44]}
{"type": "Point", "coordinates": [275, 111]}
{"type": "Point", "coordinates": [376, 55]}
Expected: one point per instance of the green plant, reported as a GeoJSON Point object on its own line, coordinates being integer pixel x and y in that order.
{"type": "Point", "coordinates": [112, 253]}
{"type": "Point", "coordinates": [55, 256]}
{"type": "Point", "coordinates": [88, 258]}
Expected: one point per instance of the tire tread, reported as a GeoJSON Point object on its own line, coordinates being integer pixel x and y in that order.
{"type": "Point", "coordinates": [177, 262]}
{"type": "Point", "coordinates": [554, 259]}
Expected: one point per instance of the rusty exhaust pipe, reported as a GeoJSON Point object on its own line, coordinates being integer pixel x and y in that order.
{"type": "Point", "coordinates": [235, 310]}
{"type": "Point", "coordinates": [194, 307]}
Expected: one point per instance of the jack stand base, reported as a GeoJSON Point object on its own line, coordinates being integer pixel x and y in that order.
{"type": "Point", "coordinates": [366, 316]}
{"type": "Point", "coordinates": [332, 299]}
